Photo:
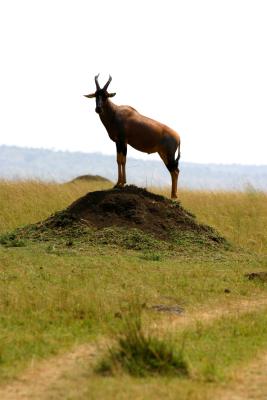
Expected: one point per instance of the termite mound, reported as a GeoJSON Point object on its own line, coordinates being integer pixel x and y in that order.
{"type": "Point", "coordinates": [130, 208]}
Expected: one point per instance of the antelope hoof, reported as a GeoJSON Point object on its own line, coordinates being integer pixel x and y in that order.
{"type": "Point", "coordinates": [174, 196]}
{"type": "Point", "coordinates": [119, 185]}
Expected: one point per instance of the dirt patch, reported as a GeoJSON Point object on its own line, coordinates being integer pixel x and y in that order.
{"type": "Point", "coordinates": [209, 314]}
{"type": "Point", "coordinates": [133, 208]}
{"type": "Point", "coordinates": [174, 309]}
{"type": "Point", "coordinates": [38, 379]}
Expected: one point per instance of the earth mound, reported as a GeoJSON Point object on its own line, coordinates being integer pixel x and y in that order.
{"type": "Point", "coordinates": [90, 178]}
{"type": "Point", "coordinates": [132, 208]}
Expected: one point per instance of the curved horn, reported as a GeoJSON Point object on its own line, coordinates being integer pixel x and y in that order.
{"type": "Point", "coordinates": [108, 82]}
{"type": "Point", "coordinates": [96, 82]}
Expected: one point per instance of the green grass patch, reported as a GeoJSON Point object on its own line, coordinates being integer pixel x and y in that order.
{"type": "Point", "coordinates": [214, 350]}
{"type": "Point", "coordinates": [32, 335]}
{"type": "Point", "coordinates": [49, 289]}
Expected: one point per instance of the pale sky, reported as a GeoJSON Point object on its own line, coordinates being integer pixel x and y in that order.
{"type": "Point", "coordinates": [199, 66]}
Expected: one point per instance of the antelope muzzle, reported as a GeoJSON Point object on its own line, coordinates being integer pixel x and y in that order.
{"type": "Point", "coordinates": [99, 105]}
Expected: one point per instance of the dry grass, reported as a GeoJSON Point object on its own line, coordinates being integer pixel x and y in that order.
{"type": "Point", "coordinates": [25, 202]}
{"type": "Point", "coordinates": [239, 216]}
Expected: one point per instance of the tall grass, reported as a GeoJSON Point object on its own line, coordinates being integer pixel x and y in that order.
{"type": "Point", "coordinates": [240, 216]}
{"type": "Point", "coordinates": [25, 202]}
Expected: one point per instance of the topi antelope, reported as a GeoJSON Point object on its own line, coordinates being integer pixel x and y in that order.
{"type": "Point", "coordinates": [126, 126]}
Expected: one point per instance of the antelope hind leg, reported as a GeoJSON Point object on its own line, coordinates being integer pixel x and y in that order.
{"type": "Point", "coordinates": [123, 169]}
{"type": "Point", "coordinates": [173, 169]}
{"type": "Point", "coordinates": [174, 175]}
{"type": "Point", "coordinates": [119, 182]}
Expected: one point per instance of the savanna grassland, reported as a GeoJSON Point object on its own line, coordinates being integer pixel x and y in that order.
{"type": "Point", "coordinates": [118, 307]}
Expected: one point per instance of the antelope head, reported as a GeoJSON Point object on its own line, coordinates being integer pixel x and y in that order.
{"type": "Point", "coordinates": [101, 95]}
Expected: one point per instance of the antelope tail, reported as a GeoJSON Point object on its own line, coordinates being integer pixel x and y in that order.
{"type": "Point", "coordinates": [178, 155]}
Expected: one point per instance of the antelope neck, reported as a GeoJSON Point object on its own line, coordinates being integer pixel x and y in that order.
{"type": "Point", "coordinates": [108, 114]}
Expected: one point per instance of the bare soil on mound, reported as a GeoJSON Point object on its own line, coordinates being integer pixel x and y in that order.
{"type": "Point", "coordinates": [131, 207]}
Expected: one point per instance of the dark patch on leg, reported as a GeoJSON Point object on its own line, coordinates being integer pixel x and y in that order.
{"type": "Point", "coordinates": [121, 148]}
{"type": "Point", "coordinates": [172, 165]}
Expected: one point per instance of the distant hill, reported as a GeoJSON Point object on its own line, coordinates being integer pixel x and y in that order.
{"type": "Point", "coordinates": [63, 166]}
{"type": "Point", "coordinates": [90, 178]}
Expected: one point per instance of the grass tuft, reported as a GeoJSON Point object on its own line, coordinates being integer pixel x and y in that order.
{"type": "Point", "coordinates": [11, 240]}
{"type": "Point", "coordinates": [142, 355]}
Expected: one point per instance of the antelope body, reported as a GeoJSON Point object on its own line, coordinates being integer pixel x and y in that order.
{"type": "Point", "coordinates": [126, 126]}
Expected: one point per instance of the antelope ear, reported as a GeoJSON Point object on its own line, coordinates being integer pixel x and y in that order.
{"type": "Point", "coordinates": [89, 96]}
{"type": "Point", "coordinates": [111, 94]}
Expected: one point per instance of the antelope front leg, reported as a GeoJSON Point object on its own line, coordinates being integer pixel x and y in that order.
{"type": "Point", "coordinates": [121, 160]}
